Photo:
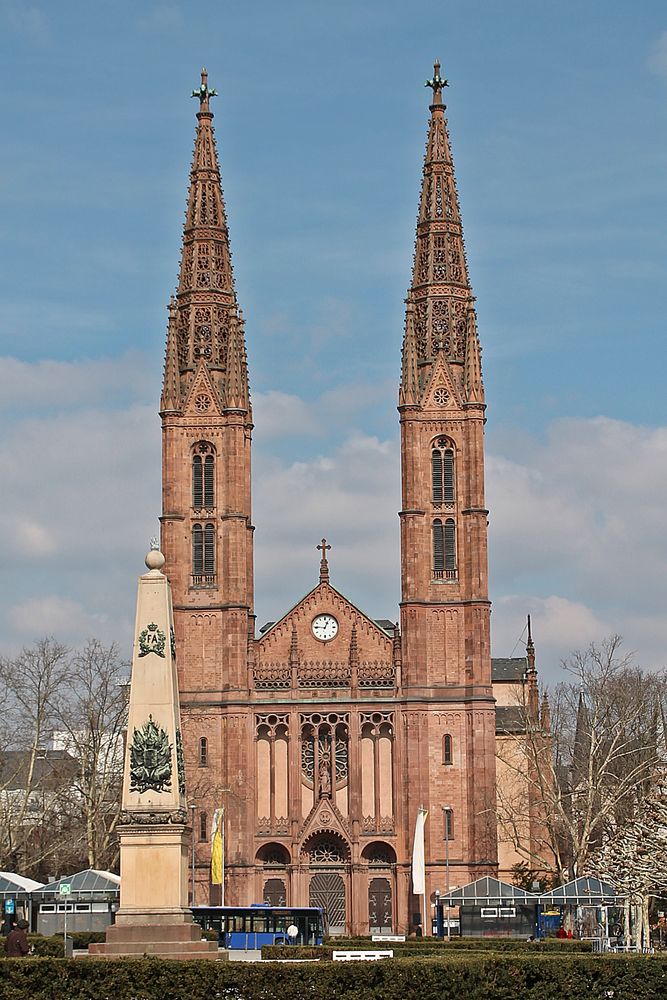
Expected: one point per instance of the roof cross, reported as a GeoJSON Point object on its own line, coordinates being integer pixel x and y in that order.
{"type": "Point", "coordinates": [437, 83]}
{"type": "Point", "coordinates": [324, 547]}
{"type": "Point", "coordinates": [204, 93]}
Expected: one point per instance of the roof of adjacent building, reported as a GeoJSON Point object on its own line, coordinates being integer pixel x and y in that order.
{"type": "Point", "coordinates": [52, 768]}
{"type": "Point", "coordinates": [508, 668]}
{"type": "Point", "coordinates": [510, 719]}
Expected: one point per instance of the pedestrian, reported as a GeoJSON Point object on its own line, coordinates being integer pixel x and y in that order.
{"type": "Point", "coordinates": [8, 924]}
{"type": "Point", "coordinates": [16, 945]}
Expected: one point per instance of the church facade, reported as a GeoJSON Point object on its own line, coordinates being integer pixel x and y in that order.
{"type": "Point", "coordinates": [324, 735]}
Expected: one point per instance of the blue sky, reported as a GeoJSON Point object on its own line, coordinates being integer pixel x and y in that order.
{"type": "Point", "coordinates": [558, 115]}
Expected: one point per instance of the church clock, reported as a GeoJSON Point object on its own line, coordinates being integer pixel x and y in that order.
{"type": "Point", "coordinates": [325, 627]}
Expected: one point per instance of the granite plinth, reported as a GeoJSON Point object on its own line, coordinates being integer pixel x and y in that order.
{"type": "Point", "coordinates": [179, 941]}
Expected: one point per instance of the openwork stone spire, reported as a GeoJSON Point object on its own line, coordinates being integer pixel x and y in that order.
{"type": "Point", "coordinates": [440, 297]}
{"type": "Point", "coordinates": [206, 330]}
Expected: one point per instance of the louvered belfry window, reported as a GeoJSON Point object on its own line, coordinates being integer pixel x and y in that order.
{"type": "Point", "coordinates": [197, 482]}
{"type": "Point", "coordinates": [203, 476]}
{"type": "Point", "coordinates": [209, 494]}
{"type": "Point", "coordinates": [209, 549]}
{"type": "Point", "coordinates": [197, 550]}
{"type": "Point", "coordinates": [438, 547]}
{"type": "Point", "coordinates": [442, 474]}
{"type": "Point", "coordinates": [450, 545]}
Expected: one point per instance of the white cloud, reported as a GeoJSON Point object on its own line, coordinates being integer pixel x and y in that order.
{"type": "Point", "coordinates": [27, 20]}
{"type": "Point", "coordinates": [61, 617]}
{"type": "Point", "coordinates": [577, 524]}
{"type": "Point", "coordinates": [34, 386]}
{"type": "Point", "coordinates": [657, 59]}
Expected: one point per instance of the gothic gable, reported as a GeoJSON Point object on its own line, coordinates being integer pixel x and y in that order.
{"type": "Point", "coordinates": [202, 398]}
{"type": "Point", "coordinates": [441, 391]}
{"type": "Point", "coordinates": [327, 643]}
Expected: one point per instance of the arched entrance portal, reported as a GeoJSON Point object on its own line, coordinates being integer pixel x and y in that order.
{"type": "Point", "coordinates": [328, 891]}
{"type": "Point", "coordinates": [381, 861]}
{"type": "Point", "coordinates": [328, 860]}
{"type": "Point", "coordinates": [379, 906]}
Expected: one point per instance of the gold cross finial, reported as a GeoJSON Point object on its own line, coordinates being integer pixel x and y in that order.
{"type": "Point", "coordinates": [437, 83]}
{"type": "Point", "coordinates": [204, 93]}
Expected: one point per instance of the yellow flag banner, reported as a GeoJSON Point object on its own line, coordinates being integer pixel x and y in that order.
{"type": "Point", "coordinates": [216, 847]}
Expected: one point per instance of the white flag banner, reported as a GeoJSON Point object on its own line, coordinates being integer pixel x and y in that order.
{"type": "Point", "coordinates": [418, 861]}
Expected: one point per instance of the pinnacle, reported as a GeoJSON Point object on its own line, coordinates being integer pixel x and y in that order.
{"type": "Point", "coordinates": [440, 294]}
{"type": "Point", "coordinates": [205, 311]}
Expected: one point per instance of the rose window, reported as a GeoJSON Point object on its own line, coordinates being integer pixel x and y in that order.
{"type": "Point", "coordinates": [441, 397]}
{"type": "Point", "coordinates": [202, 402]}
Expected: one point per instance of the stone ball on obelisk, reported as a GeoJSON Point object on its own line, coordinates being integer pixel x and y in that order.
{"type": "Point", "coordinates": [154, 559]}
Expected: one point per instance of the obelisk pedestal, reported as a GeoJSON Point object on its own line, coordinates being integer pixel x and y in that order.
{"type": "Point", "coordinates": [154, 917]}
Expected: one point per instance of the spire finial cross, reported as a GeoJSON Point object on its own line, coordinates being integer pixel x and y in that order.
{"type": "Point", "coordinates": [204, 93]}
{"type": "Point", "coordinates": [437, 83]}
{"type": "Point", "coordinates": [324, 547]}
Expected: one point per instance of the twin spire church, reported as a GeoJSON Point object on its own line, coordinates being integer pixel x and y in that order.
{"type": "Point", "coordinates": [325, 734]}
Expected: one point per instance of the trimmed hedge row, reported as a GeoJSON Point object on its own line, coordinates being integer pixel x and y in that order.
{"type": "Point", "coordinates": [52, 946]}
{"type": "Point", "coordinates": [421, 946]}
{"type": "Point", "coordinates": [539, 977]}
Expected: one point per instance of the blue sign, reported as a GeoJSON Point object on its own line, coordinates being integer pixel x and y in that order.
{"type": "Point", "coordinates": [10, 906]}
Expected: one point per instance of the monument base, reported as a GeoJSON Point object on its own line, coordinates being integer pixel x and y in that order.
{"type": "Point", "coordinates": [154, 918]}
{"type": "Point", "coordinates": [180, 941]}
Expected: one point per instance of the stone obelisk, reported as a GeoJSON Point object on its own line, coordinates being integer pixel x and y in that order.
{"type": "Point", "coordinates": [154, 917]}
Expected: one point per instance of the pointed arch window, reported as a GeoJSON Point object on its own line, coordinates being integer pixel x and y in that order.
{"type": "Point", "coordinates": [203, 477]}
{"type": "Point", "coordinates": [442, 474]}
{"type": "Point", "coordinates": [444, 549]}
{"type": "Point", "coordinates": [203, 752]}
{"type": "Point", "coordinates": [450, 547]}
{"type": "Point", "coordinates": [203, 555]}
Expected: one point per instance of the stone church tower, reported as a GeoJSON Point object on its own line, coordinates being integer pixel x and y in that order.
{"type": "Point", "coordinates": [323, 736]}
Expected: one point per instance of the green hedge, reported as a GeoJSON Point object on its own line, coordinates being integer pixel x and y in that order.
{"type": "Point", "coordinates": [296, 951]}
{"type": "Point", "coordinates": [531, 977]}
{"type": "Point", "coordinates": [429, 945]}
{"type": "Point", "coordinates": [52, 947]}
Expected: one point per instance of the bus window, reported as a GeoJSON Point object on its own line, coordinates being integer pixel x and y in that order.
{"type": "Point", "coordinates": [260, 923]}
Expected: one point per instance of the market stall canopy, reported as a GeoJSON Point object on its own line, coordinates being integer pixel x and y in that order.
{"type": "Point", "coordinates": [14, 886]}
{"type": "Point", "coordinates": [84, 885]}
{"type": "Point", "coordinates": [581, 892]}
{"type": "Point", "coordinates": [489, 891]}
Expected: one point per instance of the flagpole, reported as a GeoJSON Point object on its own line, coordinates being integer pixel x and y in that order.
{"type": "Point", "coordinates": [222, 887]}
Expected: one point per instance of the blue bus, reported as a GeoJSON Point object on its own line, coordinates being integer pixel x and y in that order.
{"type": "Point", "coordinates": [249, 927]}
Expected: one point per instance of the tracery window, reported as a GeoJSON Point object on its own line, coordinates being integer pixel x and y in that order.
{"type": "Point", "coordinates": [442, 474]}
{"type": "Point", "coordinates": [444, 549]}
{"type": "Point", "coordinates": [203, 554]}
{"type": "Point", "coordinates": [203, 477]}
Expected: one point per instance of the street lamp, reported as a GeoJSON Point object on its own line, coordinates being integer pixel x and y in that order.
{"type": "Point", "coordinates": [447, 813]}
{"type": "Point", "coordinates": [192, 859]}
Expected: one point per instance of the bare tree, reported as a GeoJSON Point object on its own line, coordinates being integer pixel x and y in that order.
{"type": "Point", "coordinates": [29, 681]}
{"type": "Point", "coordinates": [90, 709]}
{"type": "Point", "coordinates": [581, 779]}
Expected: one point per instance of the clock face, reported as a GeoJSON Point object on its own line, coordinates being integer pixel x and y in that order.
{"type": "Point", "coordinates": [325, 627]}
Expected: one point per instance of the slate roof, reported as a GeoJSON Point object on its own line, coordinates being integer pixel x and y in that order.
{"type": "Point", "coordinates": [53, 769]}
{"type": "Point", "coordinates": [508, 668]}
{"type": "Point", "coordinates": [510, 719]}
